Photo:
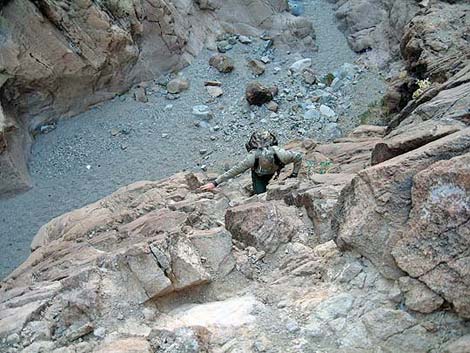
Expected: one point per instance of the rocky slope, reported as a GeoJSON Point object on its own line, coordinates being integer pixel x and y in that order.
{"type": "Point", "coordinates": [366, 252]}
{"type": "Point", "coordinates": [162, 267]}
{"type": "Point", "coordinates": [149, 133]}
{"type": "Point", "coordinates": [59, 58]}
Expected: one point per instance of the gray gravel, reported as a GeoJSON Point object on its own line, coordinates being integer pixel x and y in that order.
{"type": "Point", "coordinates": [122, 141]}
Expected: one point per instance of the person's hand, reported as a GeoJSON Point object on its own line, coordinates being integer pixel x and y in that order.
{"type": "Point", "coordinates": [208, 187]}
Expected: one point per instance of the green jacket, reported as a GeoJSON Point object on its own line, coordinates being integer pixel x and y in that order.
{"type": "Point", "coordinates": [286, 157]}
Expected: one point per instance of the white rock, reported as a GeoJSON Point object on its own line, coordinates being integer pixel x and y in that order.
{"type": "Point", "coordinates": [229, 313]}
{"type": "Point", "coordinates": [312, 114]}
{"type": "Point", "coordinates": [327, 111]}
{"type": "Point", "coordinates": [214, 91]}
{"type": "Point", "coordinates": [202, 112]}
{"type": "Point", "coordinates": [100, 332]}
{"type": "Point", "coordinates": [244, 40]}
{"type": "Point", "coordinates": [300, 65]}
{"type": "Point", "coordinates": [265, 59]}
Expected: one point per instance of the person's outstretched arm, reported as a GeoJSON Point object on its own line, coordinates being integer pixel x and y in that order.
{"type": "Point", "coordinates": [239, 168]}
{"type": "Point", "coordinates": [288, 157]}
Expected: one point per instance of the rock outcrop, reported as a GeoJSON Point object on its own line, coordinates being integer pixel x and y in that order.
{"type": "Point", "coordinates": [381, 30]}
{"type": "Point", "coordinates": [380, 214]}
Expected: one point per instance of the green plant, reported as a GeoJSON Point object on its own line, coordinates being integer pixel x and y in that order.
{"type": "Point", "coordinates": [328, 79]}
{"type": "Point", "coordinates": [423, 85]}
{"type": "Point", "coordinates": [323, 167]}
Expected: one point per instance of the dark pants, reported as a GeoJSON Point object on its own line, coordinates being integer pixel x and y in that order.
{"type": "Point", "coordinates": [260, 182]}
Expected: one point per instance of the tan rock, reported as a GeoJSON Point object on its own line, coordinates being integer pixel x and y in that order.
{"type": "Point", "coordinates": [418, 297]}
{"type": "Point", "coordinates": [256, 66]}
{"type": "Point", "coordinates": [126, 345]}
{"type": "Point", "coordinates": [272, 106]}
{"type": "Point", "coordinates": [264, 226]}
{"type": "Point", "coordinates": [140, 95]}
{"type": "Point", "coordinates": [372, 212]}
{"type": "Point", "coordinates": [411, 137]}
{"type": "Point", "coordinates": [432, 247]}
{"type": "Point", "coordinates": [309, 76]}
{"type": "Point", "coordinates": [461, 345]}
{"type": "Point", "coordinates": [177, 85]}
{"type": "Point", "coordinates": [222, 63]}
{"type": "Point", "coordinates": [214, 91]}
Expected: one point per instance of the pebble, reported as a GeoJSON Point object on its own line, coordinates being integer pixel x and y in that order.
{"type": "Point", "coordinates": [244, 40]}
{"type": "Point", "coordinates": [300, 65]}
{"type": "Point", "coordinates": [203, 112]}
{"type": "Point", "coordinates": [292, 326]}
{"type": "Point", "coordinates": [265, 59]}
{"type": "Point", "coordinates": [327, 111]}
{"type": "Point", "coordinates": [100, 332]}
{"type": "Point", "coordinates": [214, 91]}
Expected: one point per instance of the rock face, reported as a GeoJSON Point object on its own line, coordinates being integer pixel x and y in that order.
{"type": "Point", "coordinates": [159, 245]}
{"type": "Point", "coordinates": [406, 213]}
{"type": "Point", "coordinates": [13, 159]}
{"type": "Point", "coordinates": [374, 209]}
{"type": "Point", "coordinates": [264, 226]}
{"type": "Point", "coordinates": [59, 58]}
{"type": "Point", "coordinates": [441, 210]}
{"type": "Point", "coordinates": [381, 30]}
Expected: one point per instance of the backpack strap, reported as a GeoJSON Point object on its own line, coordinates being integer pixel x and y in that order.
{"type": "Point", "coordinates": [279, 163]}
{"type": "Point", "coordinates": [256, 164]}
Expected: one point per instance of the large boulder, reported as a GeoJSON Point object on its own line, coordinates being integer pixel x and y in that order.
{"type": "Point", "coordinates": [372, 212]}
{"type": "Point", "coordinates": [257, 94]}
{"type": "Point", "coordinates": [380, 30]}
{"type": "Point", "coordinates": [435, 245]}
{"type": "Point", "coordinates": [264, 226]}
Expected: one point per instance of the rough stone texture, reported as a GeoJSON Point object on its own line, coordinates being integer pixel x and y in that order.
{"type": "Point", "coordinates": [127, 345]}
{"type": "Point", "coordinates": [128, 240]}
{"type": "Point", "coordinates": [434, 37]}
{"type": "Point", "coordinates": [411, 137]}
{"type": "Point", "coordinates": [257, 94]}
{"type": "Point", "coordinates": [418, 297]}
{"type": "Point", "coordinates": [152, 268]}
{"type": "Point", "coordinates": [13, 159]}
{"type": "Point", "coordinates": [319, 204]}
{"type": "Point", "coordinates": [222, 63]}
{"type": "Point", "coordinates": [435, 246]}
{"type": "Point", "coordinates": [382, 28]}
{"type": "Point", "coordinates": [462, 345]}
{"type": "Point", "coordinates": [373, 210]}
{"type": "Point", "coordinates": [263, 225]}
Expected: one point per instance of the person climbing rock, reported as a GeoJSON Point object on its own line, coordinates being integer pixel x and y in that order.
{"type": "Point", "coordinates": [265, 159]}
